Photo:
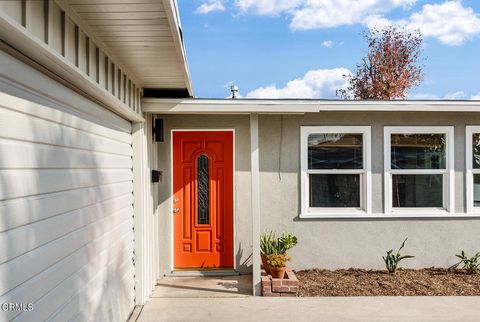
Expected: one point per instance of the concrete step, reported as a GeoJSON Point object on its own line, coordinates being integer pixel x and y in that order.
{"type": "Point", "coordinates": [199, 273]}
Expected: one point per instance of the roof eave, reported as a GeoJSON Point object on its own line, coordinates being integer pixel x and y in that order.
{"type": "Point", "coordinates": [294, 106]}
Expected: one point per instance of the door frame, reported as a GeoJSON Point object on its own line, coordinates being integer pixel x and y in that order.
{"type": "Point", "coordinates": [170, 202]}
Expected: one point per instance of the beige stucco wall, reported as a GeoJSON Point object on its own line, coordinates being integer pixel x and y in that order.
{"type": "Point", "coordinates": [337, 243]}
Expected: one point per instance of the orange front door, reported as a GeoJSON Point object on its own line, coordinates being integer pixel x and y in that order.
{"type": "Point", "coordinates": [203, 199]}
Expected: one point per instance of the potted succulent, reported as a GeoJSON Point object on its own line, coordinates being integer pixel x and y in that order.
{"type": "Point", "coordinates": [277, 264]}
{"type": "Point", "coordinates": [273, 251]}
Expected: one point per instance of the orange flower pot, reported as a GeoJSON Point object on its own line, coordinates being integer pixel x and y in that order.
{"type": "Point", "coordinates": [278, 272]}
{"type": "Point", "coordinates": [265, 265]}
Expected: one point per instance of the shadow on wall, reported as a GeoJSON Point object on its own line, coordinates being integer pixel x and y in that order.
{"type": "Point", "coordinates": [246, 265]}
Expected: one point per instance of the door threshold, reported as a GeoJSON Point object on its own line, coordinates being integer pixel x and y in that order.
{"type": "Point", "coordinates": [202, 272]}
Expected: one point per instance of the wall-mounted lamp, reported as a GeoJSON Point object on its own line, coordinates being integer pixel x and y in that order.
{"type": "Point", "coordinates": [156, 176]}
{"type": "Point", "coordinates": [158, 130]}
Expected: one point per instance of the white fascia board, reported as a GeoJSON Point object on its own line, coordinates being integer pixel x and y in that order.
{"type": "Point", "coordinates": [247, 106]}
{"type": "Point", "coordinates": [171, 9]}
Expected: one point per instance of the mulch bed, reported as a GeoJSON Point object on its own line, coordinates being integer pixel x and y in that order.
{"type": "Point", "coordinates": [405, 282]}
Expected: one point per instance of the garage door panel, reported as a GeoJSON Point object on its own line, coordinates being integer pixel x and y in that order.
{"type": "Point", "coordinates": [64, 275]}
{"type": "Point", "coordinates": [66, 200]}
{"type": "Point", "coordinates": [28, 265]}
{"type": "Point", "coordinates": [14, 125]}
{"type": "Point", "coordinates": [119, 130]}
{"type": "Point", "coordinates": [35, 155]}
{"type": "Point", "coordinates": [94, 294]}
{"type": "Point", "coordinates": [21, 183]}
{"type": "Point", "coordinates": [18, 212]}
{"type": "Point", "coordinates": [29, 237]}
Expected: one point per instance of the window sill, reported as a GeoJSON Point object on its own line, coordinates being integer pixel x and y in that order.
{"type": "Point", "coordinates": [443, 215]}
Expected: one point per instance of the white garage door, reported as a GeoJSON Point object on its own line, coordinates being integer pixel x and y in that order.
{"type": "Point", "coordinates": [66, 214]}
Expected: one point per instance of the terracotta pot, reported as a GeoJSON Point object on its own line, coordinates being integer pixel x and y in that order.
{"type": "Point", "coordinates": [265, 265]}
{"type": "Point", "coordinates": [278, 272]}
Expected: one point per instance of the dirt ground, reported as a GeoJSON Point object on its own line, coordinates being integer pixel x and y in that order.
{"type": "Point", "coordinates": [405, 282]}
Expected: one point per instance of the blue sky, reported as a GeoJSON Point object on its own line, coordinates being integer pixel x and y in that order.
{"type": "Point", "coordinates": [301, 48]}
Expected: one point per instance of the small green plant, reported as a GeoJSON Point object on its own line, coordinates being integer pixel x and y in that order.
{"type": "Point", "coordinates": [472, 264]}
{"type": "Point", "coordinates": [270, 244]}
{"type": "Point", "coordinates": [278, 260]}
{"type": "Point", "coordinates": [267, 240]}
{"type": "Point", "coordinates": [391, 260]}
{"type": "Point", "coordinates": [286, 242]}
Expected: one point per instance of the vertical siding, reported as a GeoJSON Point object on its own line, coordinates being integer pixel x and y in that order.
{"type": "Point", "coordinates": [66, 213]}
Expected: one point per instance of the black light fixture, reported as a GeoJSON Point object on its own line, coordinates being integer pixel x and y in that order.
{"type": "Point", "coordinates": [158, 130]}
{"type": "Point", "coordinates": [156, 176]}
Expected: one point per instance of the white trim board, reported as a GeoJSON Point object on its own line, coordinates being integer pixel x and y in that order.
{"type": "Point", "coordinates": [469, 170]}
{"type": "Point", "coordinates": [448, 173]}
{"type": "Point", "coordinates": [365, 173]}
{"type": "Point", "coordinates": [298, 106]}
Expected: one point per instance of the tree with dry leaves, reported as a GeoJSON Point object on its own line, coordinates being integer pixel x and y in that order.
{"type": "Point", "coordinates": [390, 69]}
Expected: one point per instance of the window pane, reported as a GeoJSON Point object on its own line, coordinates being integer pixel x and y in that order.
{"type": "Point", "coordinates": [203, 190]}
{"type": "Point", "coordinates": [476, 190]}
{"type": "Point", "coordinates": [418, 151]}
{"type": "Point", "coordinates": [335, 190]}
{"type": "Point", "coordinates": [417, 190]}
{"type": "Point", "coordinates": [335, 151]}
{"type": "Point", "coordinates": [476, 150]}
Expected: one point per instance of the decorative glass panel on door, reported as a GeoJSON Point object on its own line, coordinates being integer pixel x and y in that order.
{"type": "Point", "coordinates": [203, 191]}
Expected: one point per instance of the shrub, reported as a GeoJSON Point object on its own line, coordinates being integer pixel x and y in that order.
{"type": "Point", "coordinates": [472, 264]}
{"type": "Point", "coordinates": [391, 260]}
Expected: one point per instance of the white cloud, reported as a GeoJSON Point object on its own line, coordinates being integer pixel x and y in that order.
{"type": "Point", "coordinates": [320, 83]}
{"type": "Point", "coordinates": [475, 97]}
{"type": "Point", "coordinates": [329, 13]}
{"type": "Point", "coordinates": [267, 7]}
{"type": "Point", "coordinates": [459, 95]}
{"type": "Point", "coordinates": [449, 22]}
{"type": "Point", "coordinates": [314, 14]}
{"type": "Point", "coordinates": [210, 6]}
{"type": "Point", "coordinates": [331, 43]}
{"type": "Point", "coordinates": [327, 43]}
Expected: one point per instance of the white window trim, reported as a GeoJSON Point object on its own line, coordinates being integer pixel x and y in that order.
{"type": "Point", "coordinates": [366, 178]}
{"type": "Point", "coordinates": [448, 183]}
{"type": "Point", "coordinates": [470, 171]}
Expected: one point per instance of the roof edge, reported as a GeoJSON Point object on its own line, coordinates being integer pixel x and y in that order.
{"type": "Point", "coordinates": [242, 106]}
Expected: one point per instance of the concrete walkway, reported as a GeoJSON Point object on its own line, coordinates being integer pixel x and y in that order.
{"type": "Point", "coordinates": [204, 287]}
{"type": "Point", "coordinates": [434, 309]}
{"type": "Point", "coordinates": [226, 299]}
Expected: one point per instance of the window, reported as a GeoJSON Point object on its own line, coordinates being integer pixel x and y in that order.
{"type": "Point", "coordinates": [473, 168]}
{"type": "Point", "coordinates": [335, 171]}
{"type": "Point", "coordinates": [418, 169]}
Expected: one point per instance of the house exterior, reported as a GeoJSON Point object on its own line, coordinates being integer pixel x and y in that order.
{"type": "Point", "coordinates": [96, 94]}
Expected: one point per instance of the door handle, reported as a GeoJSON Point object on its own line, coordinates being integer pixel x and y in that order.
{"type": "Point", "coordinates": [176, 210]}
